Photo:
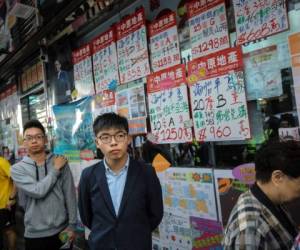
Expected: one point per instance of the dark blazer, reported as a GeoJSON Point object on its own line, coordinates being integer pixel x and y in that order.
{"type": "Point", "coordinates": [140, 212]}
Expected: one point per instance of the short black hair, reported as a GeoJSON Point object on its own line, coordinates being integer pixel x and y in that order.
{"type": "Point", "coordinates": [277, 155]}
{"type": "Point", "coordinates": [109, 120]}
{"type": "Point", "coordinates": [34, 124]}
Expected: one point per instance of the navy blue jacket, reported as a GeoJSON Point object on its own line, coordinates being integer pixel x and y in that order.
{"type": "Point", "coordinates": [140, 212]}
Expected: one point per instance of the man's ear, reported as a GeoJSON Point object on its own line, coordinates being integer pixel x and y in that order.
{"type": "Point", "coordinates": [46, 139]}
{"type": "Point", "coordinates": [96, 142]}
{"type": "Point", "coordinates": [277, 177]}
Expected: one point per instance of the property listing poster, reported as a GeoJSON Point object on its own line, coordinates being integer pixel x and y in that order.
{"type": "Point", "coordinates": [258, 19]}
{"type": "Point", "coordinates": [105, 62]}
{"type": "Point", "coordinates": [164, 43]}
{"type": "Point", "coordinates": [83, 72]}
{"type": "Point", "coordinates": [190, 213]}
{"type": "Point", "coordinates": [208, 27]}
{"type": "Point", "coordinates": [131, 104]}
{"type": "Point", "coordinates": [168, 105]}
{"type": "Point", "coordinates": [262, 73]}
{"type": "Point", "coordinates": [104, 102]}
{"type": "Point", "coordinates": [73, 130]}
{"type": "Point", "coordinates": [132, 47]}
{"type": "Point", "coordinates": [218, 99]}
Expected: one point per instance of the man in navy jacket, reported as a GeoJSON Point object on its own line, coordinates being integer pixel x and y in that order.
{"type": "Point", "coordinates": [120, 199]}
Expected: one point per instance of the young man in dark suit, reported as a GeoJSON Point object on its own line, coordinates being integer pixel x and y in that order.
{"type": "Point", "coordinates": [120, 199]}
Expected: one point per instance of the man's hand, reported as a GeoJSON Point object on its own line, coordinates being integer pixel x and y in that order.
{"type": "Point", "coordinates": [59, 162]}
{"type": "Point", "coordinates": [71, 234]}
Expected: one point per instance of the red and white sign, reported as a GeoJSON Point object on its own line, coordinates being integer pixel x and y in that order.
{"type": "Point", "coordinates": [168, 105]}
{"type": "Point", "coordinates": [208, 27]}
{"type": "Point", "coordinates": [132, 47]}
{"type": "Point", "coordinates": [257, 19]}
{"type": "Point", "coordinates": [218, 99]}
{"type": "Point", "coordinates": [83, 75]}
{"type": "Point", "coordinates": [105, 61]}
{"type": "Point", "coordinates": [167, 78]}
{"type": "Point", "coordinates": [164, 42]}
{"type": "Point", "coordinates": [215, 64]}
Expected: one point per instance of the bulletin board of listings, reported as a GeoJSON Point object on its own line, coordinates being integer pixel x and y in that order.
{"type": "Point", "coordinates": [190, 214]}
{"type": "Point", "coordinates": [132, 47]}
{"type": "Point", "coordinates": [83, 72]}
{"type": "Point", "coordinates": [105, 61]}
{"type": "Point", "coordinates": [218, 99]}
{"type": "Point", "coordinates": [168, 105]}
{"type": "Point", "coordinates": [255, 19]}
{"type": "Point", "coordinates": [164, 43]}
{"type": "Point", "coordinates": [208, 27]}
{"type": "Point", "coordinates": [210, 104]}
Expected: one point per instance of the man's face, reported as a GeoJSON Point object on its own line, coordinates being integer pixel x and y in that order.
{"type": "Point", "coordinates": [34, 140]}
{"type": "Point", "coordinates": [57, 66]}
{"type": "Point", "coordinates": [113, 143]}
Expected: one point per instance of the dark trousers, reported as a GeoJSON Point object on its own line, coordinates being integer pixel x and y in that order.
{"type": "Point", "coordinates": [46, 243]}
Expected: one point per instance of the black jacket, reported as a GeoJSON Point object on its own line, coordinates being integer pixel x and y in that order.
{"type": "Point", "coordinates": [140, 212]}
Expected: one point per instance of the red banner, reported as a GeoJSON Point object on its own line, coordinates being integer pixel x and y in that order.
{"type": "Point", "coordinates": [215, 64]}
{"type": "Point", "coordinates": [131, 23]}
{"type": "Point", "coordinates": [81, 53]}
{"type": "Point", "coordinates": [196, 7]}
{"type": "Point", "coordinates": [167, 78]}
{"type": "Point", "coordinates": [162, 24]}
{"type": "Point", "coordinates": [103, 40]}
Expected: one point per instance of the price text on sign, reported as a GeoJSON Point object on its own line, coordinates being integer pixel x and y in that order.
{"type": "Point", "coordinates": [164, 42]}
{"type": "Point", "coordinates": [132, 48]}
{"type": "Point", "coordinates": [168, 105]}
{"type": "Point", "coordinates": [208, 28]}
{"type": "Point", "coordinates": [219, 108]}
{"type": "Point", "coordinates": [169, 110]}
{"type": "Point", "coordinates": [83, 75]}
{"type": "Point", "coordinates": [257, 19]}
{"type": "Point", "coordinates": [105, 61]}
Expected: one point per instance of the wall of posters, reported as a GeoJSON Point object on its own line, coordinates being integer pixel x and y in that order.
{"type": "Point", "coordinates": [105, 62]}
{"type": "Point", "coordinates": [132, 47]}
{"type": "Point", "coordinates": [257, 19]}
{"type": "Point", "coordinates": [262, 73]}
{"type": "Point", "coordinates": [168, 105]}
{"type": "Point", "coordinates": [131, 104]}
{"type": "Point", "coordinates": [164, 43]}
{"type": "Point", "coordinates": [83, 75]}
{"type": "Point", "coordinates": [218, 101]}
{"type": "Point", "coordinates": [73, 132]}
{"type": "Point", "coordinates": [208, 27]}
